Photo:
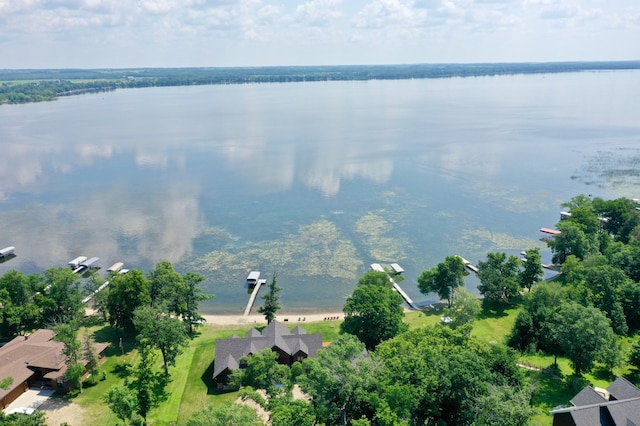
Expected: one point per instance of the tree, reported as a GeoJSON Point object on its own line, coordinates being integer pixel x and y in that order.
{"type": "Point", "coordinates": [162, 331]}
{"type": "Point", "coordinates": [128, 292]}
{"type": "Point", "coordinates": [444, 279]}
{"type": "Point", "coordinates": [67, 334]}
{"type": "Point", "coordinates": [167, 286]}
{"type": "Point", "coordinates": [271, 304]}
{"type": "Point", "coordinates": [634, 355]}
{"type": "Point", "coordinates": [535, 323]}
{"type": "Point", "coordinates": [499, 278]}
{"type": "Point", "coordinates": [341, 381]}
{"type": "Point", "coordinates": [20, 311]}
{"type": "Point", "coordinates": [621, 217]}
{"type": "Point", "coordinates": [37, 418]}
{"type": "Point", "coordinates": [572, 240]}
{"type": "Point", "coordinates": [504, 406]}
{"type": "Point", "coordinates": [464, 310]}
{"type": "Point", "coordinates": [64, 300]}
{"type": "Point", "coordinates": [226, 414]}
{"type": "Point", "coordinates": [262, 371]}
{"type": "Point", "coordinates": [435, 375]}
{"type": "Point", "coordinates": [122, 401]}
{"type": "Point", "coordinates": [532, 271]}
{"type": "Point", "coordinates": [585, 336]}
{"type": "Point", "coordinates": [373, 313]}
{"type": "Point", "coordinates": [192, 297]}
{"type": "Point", "coordinates": [292, 413]}
{"type": "Point", "coordinates": [90, 355]}
{"type": "Point", "coordinates": [600, 284]}
{"type": "Point", "coordinates": [145, 381]}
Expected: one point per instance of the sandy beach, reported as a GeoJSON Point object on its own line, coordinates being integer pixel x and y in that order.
{"type": "Point", "coordinates": [300, 318]}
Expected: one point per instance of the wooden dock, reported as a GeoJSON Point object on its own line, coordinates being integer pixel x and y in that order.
{"type": "Point", "coordinates": [404, 295]}
{"type": "Point", "coordinates": [98, 290]}
{"type": "Point", "coordinates": [396, 268]}
{"type": "Point", "coordinates": [469, 265]}
{"type": "Point", "coordinates": [253, 296]}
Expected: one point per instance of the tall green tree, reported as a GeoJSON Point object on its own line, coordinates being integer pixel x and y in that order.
{"type": "Point", "coordinates": [90, 355]}
{"type": "Point", "coordinates": [532, 271]}
{"type": "Point", "coordinates": [444, 279]}
{"type": "Point", "coordinates": [572, 240]}
{"type": "Point", "coordinates": [163, 331]}
{"type": "Point", "coordinates": [67, 334]}
{"type": "Point", "coordinates": [128, 292]}
{"type": "Point", "coordinates": [192, 296]}
{"type": "Point", "coordinates": [464, 310]}
{"type": "Point", "coordinates": [20, 311]}
{"type": "Point", "coordinates": [166, 286]}
{"type": "Point", "coordinates": [122, 401]}
{"type": "Point", "coordinates": [499, 278]}
{"type": "Point", "coordinates": [342, 382]}
{"type": "Point", "coordinates": [585, 336]}
{"type": "Point", "coordinates": [373, 312]}
{"type": "Point", "coordinates": [271, 302]}
{"type": "Point", "coordinates": [63, 296]}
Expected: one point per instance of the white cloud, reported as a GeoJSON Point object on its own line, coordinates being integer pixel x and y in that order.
{"type": "Point", "coordinates": [90, 33]}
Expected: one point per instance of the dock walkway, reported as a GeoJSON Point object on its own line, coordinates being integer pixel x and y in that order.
{"type": "Point", "coordinates": [252, 299]}
{"type": "Point", "coordinates": [398, 269]}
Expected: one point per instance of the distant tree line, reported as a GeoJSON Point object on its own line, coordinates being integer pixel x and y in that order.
{"type": "Point", "coordinates": [21, 86]}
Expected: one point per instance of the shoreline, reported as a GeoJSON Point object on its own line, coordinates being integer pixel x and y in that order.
{"type": "Point", "coordinates": [299, 318]}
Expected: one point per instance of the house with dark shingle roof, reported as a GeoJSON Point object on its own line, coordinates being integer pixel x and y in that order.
{"type": "Point", "coordinates": [291, 346]}
{"type": "Point", "coordinates": [617, 405]}
{"type": "Point", "coordinates": [34, 360]}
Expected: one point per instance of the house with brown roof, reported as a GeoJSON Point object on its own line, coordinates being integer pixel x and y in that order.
{"type": "Point", "coordinates": [34, 360]}
{"type": "Point", "coordinates": [618, 405]}
{"type": "Point", "coordinates": [291, 346]}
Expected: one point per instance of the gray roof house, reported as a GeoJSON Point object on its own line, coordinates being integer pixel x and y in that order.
{"type": "Point", "coordinates": [291, 346]}
{"type": "Point", "coordinates": [619, 404]}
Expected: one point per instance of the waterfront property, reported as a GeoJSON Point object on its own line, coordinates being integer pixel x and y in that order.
{"type": "Point", "coordinates": [35, 360]}
{"type": "Point", "coordinates": [291, 346]}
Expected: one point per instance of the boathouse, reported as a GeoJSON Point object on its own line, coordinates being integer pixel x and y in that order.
{"type": "Point", "coordinates": [7, 251]}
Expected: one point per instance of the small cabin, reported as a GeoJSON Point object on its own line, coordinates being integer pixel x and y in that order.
{"type": "Point", "coordinates": [7, 251]}
{"type": "Point", "coordinates": [73, 264]}
{"type": "Point", "coordinates": [253, 278]}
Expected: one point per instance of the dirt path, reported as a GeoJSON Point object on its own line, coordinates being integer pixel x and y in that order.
{"type": "Point", "coordinates": [59, 411]}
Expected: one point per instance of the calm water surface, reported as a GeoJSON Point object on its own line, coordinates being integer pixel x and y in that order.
{"type": "Point", "coordinates": [313, 180]}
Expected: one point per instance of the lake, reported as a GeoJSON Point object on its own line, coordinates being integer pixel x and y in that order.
{"type": "Point", "coordinates": [313, 180]}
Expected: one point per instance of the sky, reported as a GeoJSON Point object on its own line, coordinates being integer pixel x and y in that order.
{"type": "Point", "coordinates": [218, 33]}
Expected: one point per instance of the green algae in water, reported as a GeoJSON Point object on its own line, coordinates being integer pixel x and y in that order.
{"type": "Point", "coordinates": [316, 249]}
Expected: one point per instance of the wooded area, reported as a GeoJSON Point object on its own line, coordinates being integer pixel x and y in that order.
{"type": "Point", "coordinates": [23, 86]}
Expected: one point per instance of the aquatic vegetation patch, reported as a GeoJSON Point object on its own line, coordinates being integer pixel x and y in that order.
{"type": "Point", "coordinates": [618, 168]}
{"type": "Point", "coordinates": [315, 249]}
{"type": "Point", "coordinates": [483, 240]}
{"type": "Point", "coordinates": [374, 231]}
